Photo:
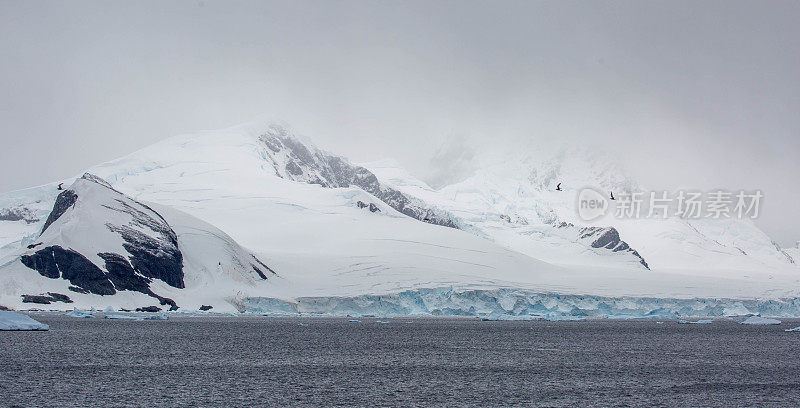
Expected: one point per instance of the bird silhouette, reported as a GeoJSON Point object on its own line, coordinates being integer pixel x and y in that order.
{"type": "Point", "coordinates": [612, 196]}
{"type": "Point", "coordinates": [558, 187]}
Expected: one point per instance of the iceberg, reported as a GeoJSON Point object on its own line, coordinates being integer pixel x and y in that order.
{"type": "Point", "coordinates": [758, 320]}
{"type": "Point", "coordinates": [80, 314]}
{"type": "Point", "coordinates": [17, 321]}
{"type": "Point", "coordinates": [796, 329]}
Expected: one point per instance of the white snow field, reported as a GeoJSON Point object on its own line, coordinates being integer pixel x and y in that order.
{"type": "Point", "coordinates": [344, 240]}
{"type": "Point", "coordinates": [17, 321]}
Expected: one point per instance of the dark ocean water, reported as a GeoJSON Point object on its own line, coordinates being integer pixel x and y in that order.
{"type": "Point", "coordinates": [259, 361]}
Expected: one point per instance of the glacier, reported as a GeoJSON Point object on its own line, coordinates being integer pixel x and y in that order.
{"type": "Point", "coordinates": [515, 304]}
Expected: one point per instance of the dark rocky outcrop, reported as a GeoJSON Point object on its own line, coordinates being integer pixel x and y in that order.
{"type": "Point", "coordinates": [50, 297]}
{"type": "Point", "coordinates": [154, 258]}
{"type": "Point", "coordinates": [64, 201]}
{"type": "Point", "coordinates": [608, 238]}
{"type": "Point", "coordinates": [257, 268]}
{"type": "Point", "coordinates": [56, 262]}
{"type": "Point", "coordinates": [59, 297]}
{"type": "Point", "coordinates": [38, 299]}
{"type": "Point", "coordinates": [313, 166]}
{"type": "Point", "coordinates": [18, 214]}
{"type": "Point", "coordinates": [371, 206]}
{"type": "Point", "coordinates": [206, 307]}
{"type": "Point", "coordinates": [78, 290]}
{"type": "Point", "coordinates": [149, 309]}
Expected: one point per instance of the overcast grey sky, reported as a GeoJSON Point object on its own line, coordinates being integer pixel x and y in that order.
{"type": "Point", "coordinates": [685, 93]}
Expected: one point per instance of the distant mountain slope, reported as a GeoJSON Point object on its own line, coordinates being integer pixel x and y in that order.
{"type": "Point", "coordinates": [299, 161]}
{"type": "Point", "coordinates": [516, 203]}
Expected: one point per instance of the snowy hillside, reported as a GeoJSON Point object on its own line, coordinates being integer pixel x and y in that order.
{"type": "Point", "coordinates": [332, 229]}
{"type": "Point", "coordinates": [517, 205]}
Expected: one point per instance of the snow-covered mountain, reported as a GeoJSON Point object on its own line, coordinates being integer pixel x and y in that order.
{"type": "Point", "coordinates": [336, 230]}
{"type": "Point", "coordinates": [98, 241]}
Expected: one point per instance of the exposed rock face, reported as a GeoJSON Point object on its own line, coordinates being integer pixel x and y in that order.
{"type": "Point", "coordinates": [206, 307]}
{"type": "Point", "coordinates": [154, 257]}
{"type": "Point", "coordinates": [43, 299]}
{"type": "Point", "coordinates": [371, 206]}
{"type": "Point", "coordinates": [257, 268]}
{"type": "Point", "coordinates": [608, 238]}
{"type": "Point", "coordinates": [18, 214]}
{"type": "Point", "coordinates": [64, 201]}
{"type": "Point", "coordinates": [296, 161]}
{"type": "Point", "coordinates": [56, 262]}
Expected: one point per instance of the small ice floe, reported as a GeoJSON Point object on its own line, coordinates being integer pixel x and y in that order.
{"type": "Point", "coordinates": [123, 317]}
{"type": "Point", "coordinates": [137, 318]}
{"type": "Point", "coordinates": [302, 324]}
{"type": "Point", "coordinates": [17, 321]}
{"type": "Point", "coordinates": [109, 309]}
{"type": "Point", "coordinates": [381, 322]}
{"type": "Point", "coordinates": [659, 322]}
{"type": "Point", "coordinates": [758, 320]}
{"type": "Point", "coordinates": [702, 321]}
{"type": "Point", "coordinates": [796, 329]}
{"type": "Point", "coordinates": [83, 314]}
{"type": "Point", "coordinates": [354, 321]}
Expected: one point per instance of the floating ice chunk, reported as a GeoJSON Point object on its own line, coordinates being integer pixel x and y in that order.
{"type": "Point", "coordinates": [354, 321]}
{"type": "Point", "coordinates": [796, 329]}
{"type": "Point", "coordinates": [109, 309]}
{"type": "Point", "coordinates": [123, 317]}
{"type": "Point", "coordinates": [80, 314]}
{"type": "Point", "coordinates": [162, 316]}
{"type": "Point", "coordinates": [702, 321]}
{"type": "Point", "coordinates": [382, 322]}
{"type": "Point", "coordinates": [758, 320]}
{"type": "Point", "coordinates": [17, 321]}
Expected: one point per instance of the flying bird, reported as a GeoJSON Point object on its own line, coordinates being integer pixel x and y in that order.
{"type": "Point", "coordinates": [612, 196]}
{"type": "Point", "coordinates": [558, 187]}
